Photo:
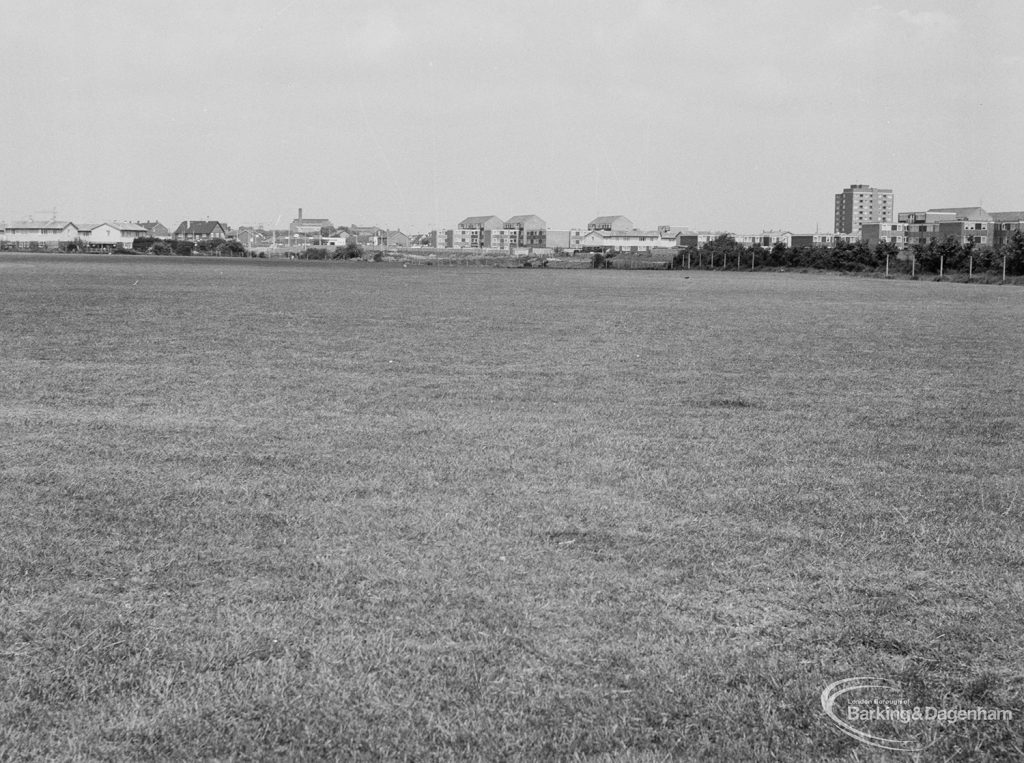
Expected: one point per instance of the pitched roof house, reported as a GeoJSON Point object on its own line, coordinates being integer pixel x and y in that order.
{"type": "Point", "coordinates": [200, 230]}
{"type": "Point", "coordinates": [111, 234]}
{"type": "Point", "coordinates": [397, 238]}
{"type": "Point", "coordinates": [155, 228]}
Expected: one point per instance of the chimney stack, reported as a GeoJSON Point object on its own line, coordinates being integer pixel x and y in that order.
{"type": "Point", "coordinates": [300, 214]}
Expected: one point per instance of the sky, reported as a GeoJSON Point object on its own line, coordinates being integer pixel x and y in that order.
{"type": "Point", "coordinates": [739, 115]}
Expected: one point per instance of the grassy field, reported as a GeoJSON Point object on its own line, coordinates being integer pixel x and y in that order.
{"type": "Point", "coordinates": [286, 509]}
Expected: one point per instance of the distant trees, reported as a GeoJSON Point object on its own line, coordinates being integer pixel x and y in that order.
{"type": "Point", "coordinates": [948, 255]}
{"type": "Point", "coordinates": [945, 255]}
{"type": "Point", "coordinates": [350, 251]}
{"type": "Point", "coordinates": [721, 250]}
{"type": "Point", "coordinates": [1014, 252]}
{"type": "Point", "coordinates": [214, 247]}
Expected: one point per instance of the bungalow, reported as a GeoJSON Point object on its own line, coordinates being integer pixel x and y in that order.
{"type": "Point", "coordinates": [109, 235]}
{"type": "Point", "coordinates": [200, 230]}
{"type": "Point", "coordinates": [697, 239]}
{"type": "Point", "coordinates": [625, 241]}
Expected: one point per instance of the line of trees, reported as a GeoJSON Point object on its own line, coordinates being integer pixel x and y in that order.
{"type": "Point", "coordinates": [725, 253]}
{"type": "Point", "coordinates": [217, 247]}
{"type": "Point", "coordinates": [213, 247]}
{"type": "Point", "coordinates": [348, 252]}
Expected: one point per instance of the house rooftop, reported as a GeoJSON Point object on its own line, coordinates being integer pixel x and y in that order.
{"type": "Point", "coordinates": [38, 225]}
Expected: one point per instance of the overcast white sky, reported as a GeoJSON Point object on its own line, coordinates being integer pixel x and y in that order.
{"type": "Point", "coordinates": [734, 114]}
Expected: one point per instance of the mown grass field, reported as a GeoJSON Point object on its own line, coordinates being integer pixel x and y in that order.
{"type": "Point", "coordinates": [316, 510]}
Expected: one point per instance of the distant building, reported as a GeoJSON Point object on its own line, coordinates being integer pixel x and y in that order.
{"type": "Point", "coordinates": [698, 238]}
{"type": "Point", "coordinates": [368, 235]}
{"type": "Point", "coordinates": [799, 240]}
{"type": "Point", "coordinates": [569, 240]}
{"type": "Point", "coordinates": [861, 204]}
{"type": "Point", "coordinates": [1004, 225]}
{"type": "Point", "coordinates": [623, 240]}
{"type": "Point", "coordinates": [966, 225]}
{"type": "Point", "coordinates": [479, 233]}
{"type": "Point", "coordinates": [340, 240]}
{"type": "Point", "coordinates": [874, 234]}
{"type": "Point", "coordinates": [610, 222]}
{"type": "Point", "coordinates": [307, 230]}
{"type": "Point", "coordinates": [249, 236]}
{"type": "Point", "coordinates": [462, 238]}
{"type": "Point", "coordinates": [200, 230]}
{"type": "Point", "coordinates": [110, 235]}
{"type": "Point", "coordinates": [499, 238]}
{"type": "Point", "coordinates": [767, 239]}
{"type": "Point", "coordinates": [54, 234]}
{"type": "Point", "coordinates": [397, 238]}
{"type": "Point", "coordinates": [530, 230]}
{"type": "Point", "coordinates": [155, 228]}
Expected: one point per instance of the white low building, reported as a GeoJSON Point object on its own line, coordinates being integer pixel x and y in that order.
{"type": "Point", "coordinates": [625, 240]}
{"type": "Point", "coordinates": [40, 235]}
{"type": "Point", "coordinates": [109, 235]}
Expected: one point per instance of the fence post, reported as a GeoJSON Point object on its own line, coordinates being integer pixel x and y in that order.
{"type": "Point", "coordinates": [886, 265]}
{"type": "Point", "coordinates": [970, 267]}
{"type": "Point", "coordinates": [1004, 268]}
{"type": "Point", "coordinates": [942, 262]}
{"type": "Point", "coordinates": [913, 265]}
{"type": "Point", "coordinates": [752, 255]}
{"type": "Point", "coordinates": [737, 259]}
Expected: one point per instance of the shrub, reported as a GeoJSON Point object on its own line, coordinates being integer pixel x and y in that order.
{"type": "Point", "coordinates": [348, 252]}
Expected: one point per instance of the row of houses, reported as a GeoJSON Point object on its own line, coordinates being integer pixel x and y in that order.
{"type": "Point", "coordinates": [965, 225]}
{"type": "Point", "coordinates": [61, 234]}
{"type": "Point", "coordinates": [607, 232]}
{"type": "Point", "coordinates": [54, 234]}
